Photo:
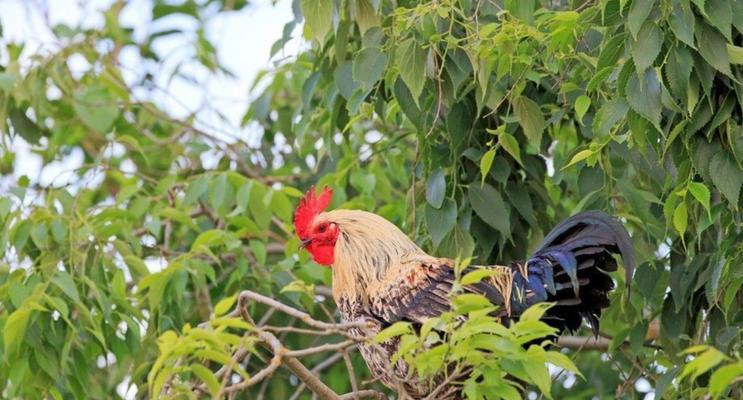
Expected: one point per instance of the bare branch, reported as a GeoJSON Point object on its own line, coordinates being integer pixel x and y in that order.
{"type": "Point", "coordinates": [288, 358]}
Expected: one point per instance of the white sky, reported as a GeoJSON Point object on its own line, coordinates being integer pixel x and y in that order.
{"type": "Point", "coordinates": [243, 41]}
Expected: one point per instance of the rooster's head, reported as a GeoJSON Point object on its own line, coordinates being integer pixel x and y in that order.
{"type": "Point", "coordinates": [317, 235]}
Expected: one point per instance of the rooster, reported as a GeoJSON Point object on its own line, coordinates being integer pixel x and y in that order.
{"type": "Point", "coordinates": [380, 276]}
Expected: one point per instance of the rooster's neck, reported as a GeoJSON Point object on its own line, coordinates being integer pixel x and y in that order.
{"type": "Point", "coordinates": [367, 247]}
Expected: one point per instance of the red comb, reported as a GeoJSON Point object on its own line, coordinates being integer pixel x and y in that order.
{"type": "Point", "coordinates": [309, 206]}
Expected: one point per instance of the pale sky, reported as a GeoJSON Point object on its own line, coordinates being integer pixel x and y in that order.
{"type": "Point", "coordinates": [243, 41]}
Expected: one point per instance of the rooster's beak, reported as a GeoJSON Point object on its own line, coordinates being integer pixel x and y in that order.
{"type": "Point", "coordinates": [304, 243]}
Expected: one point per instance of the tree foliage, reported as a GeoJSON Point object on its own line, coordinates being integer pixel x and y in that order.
{"type": "Point", "coordinates": [474, 126]}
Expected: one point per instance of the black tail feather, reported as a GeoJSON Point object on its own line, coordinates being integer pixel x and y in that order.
{"type": "Point", "coordinates": [571, 265]}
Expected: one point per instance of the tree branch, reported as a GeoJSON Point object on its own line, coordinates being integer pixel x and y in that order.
{"type": "Point", "coordinates": [288, 358]}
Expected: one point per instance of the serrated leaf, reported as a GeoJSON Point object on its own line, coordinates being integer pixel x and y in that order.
{"type": "Point", "coordinates": [611, 52]}
{"type": "Point", "coordinates": [720, 15]}
{"type": "Point", "coordinates": [735, 54]}
{"type": "Point", "coordinates": [397, 329]}
{"type": "Point", "coordinates": [701, 193]}
{"type": "Point", "coordinates": [644, 96]}
{"type": "Point", "coordinates": [531, 119]}
{"type": "Point", "coordinates": [368, 66]}
{"type": "Point", "coordinates": [678, 70]}
{"type": "Point", "coordinates": [441, 221]}
{"type": "Point", "coordinates": [411, 61]}
{"type": "Point", "coordinates": [712, 47]}
{"type": "Point", "coordinates": [486, 162]}
{"type": "Point", "coordinates": [638, 13]}
{"type": "Point", "coordinates": [366, 16]}
{"type": "Point", "coordinates": [647, 46]}
{"type": "Point", "coordinates": [681, 218]}
{"type": "Point", "coordinates": [726, 176]}
{"type": "Point", "coordinates": [608, 115]}
{"type": "Point", "coordinates": [511, 145]}
{"type": "Point", "coordinates": [318, 16]}
{"type": "Point", "coordinates": [436, 188]}
{"type": "Point", "coordinates": [490, 207]}
{"type": "Point", "coordinates": [578, 157]}
{"type": "Point", "coordinates": [681, 22]}
{"type": "Point", "coordinates": [581, 106]}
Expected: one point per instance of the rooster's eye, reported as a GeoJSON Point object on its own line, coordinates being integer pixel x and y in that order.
{"type": "Point", "coordinates": [322, 228]}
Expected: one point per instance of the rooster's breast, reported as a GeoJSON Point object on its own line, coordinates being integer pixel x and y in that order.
{"type": "Point", "coordinates": [397, 376]}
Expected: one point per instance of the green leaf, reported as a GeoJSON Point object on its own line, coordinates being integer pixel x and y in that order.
{"type": "Point", "coordinates": [712, 47]}
{"type": "Point", "coordinates": [178, 216]}
{"type": "Point", "coordinates": [678, 70]}
{"type": "Point", "coordinates": [368, 66]}
{"type": "Point", "coordinates": [195, 189]}
{"type": "Point", "coordinates": [644, 96]}
{"type": "Point", "coordinates": [14, 329]}
{"type": "Point", "coordinates": [478, 275]}
{"type": "Point", "coordinates": [720, 15]}
{"type": "Point", "coordinates": [562, 361]}
{"type": "Point", "coordinates": [539, 375]}
{"type": "Point", "coordinates": [469, 302]}
{"type": "Point", "coordinates": [486, 162]}
{"type": "Point", "coordinates": [531, 119]}
{"type": "Point", "coordinates": [608, 115]}
{"type": "Point", "coordinates": [217, 191]}
{"type": "Point", "coordinates": [611, 52]}
{"type": "Point", "coordinates": [209, 238]}
{"type": "Point", "coordinates": [318, 16]}
{"type": "Point", "coordinates": [436, 188]}
{"type": "Point", "coordinates": [458, 244]}
{"type": "Point", "coordinates": [701, 193]}
{"type": "Point", "coordinates": [343, 77]}
{"type": "Point", "coordinates": [724, 377]}
{"type": "Point", "coordinates": [647, 46]}
{"type": "Point", "coordinates": [581, 106]}
{"type": "Point", "coordinates": [735, 54]}
{"type": "Point", "coordinates": [23, 126]}
{"type": "Point", "coordinates": [64, 281]}
{"type": "Point", "coordinates": [578, 157]}
{"type": "Point", "coordinates": [366, 16]}
{"type": "Point", "coordinates": [702, 363]}
{"type": "Point", "coordinates": [207, 376]}
{"type": "Point", "coordinates": [638, 13]}
{"type": "Point", "coordinates": [599, 78]}
{"type": "Point", "coordinates": [511, 145]}
{"type": "Point", "coordinates": [441, 221]}
{"type": "Point", "coordinates": [681, 218]}
{"type": "Point", "coordinates": [535, 312]}
{"type": "Point", "coordinates": [96, 107]}
{"type": "Point", "coordinates": [490, 207]}
{"type": "Point", "coordinates": [258, 249]}
{"type": "Point", "coordinates": [411, 61]}
{"type": "Point", "coordinates": [726, 176]}
{"type": "Point", "coordinates": [136, 265]}
{"type": "Point", "coordinates": [224, 305]}
{"type": "Point", "coordinates": [681, 22]}
{"type": "Point", "coordinates": [397, 329]}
